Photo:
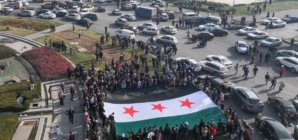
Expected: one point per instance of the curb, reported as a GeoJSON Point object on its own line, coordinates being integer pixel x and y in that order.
{"type": "Point", "coordinates": [288, 42]}
{"type": "Point", "coordinates": [31, 42]}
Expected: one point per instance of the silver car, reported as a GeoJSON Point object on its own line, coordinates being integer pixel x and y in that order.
{"type": "Point", "coordinates": [288, 53]}
{"type": "Point", "coordinates": [241, 46]}
{"type": "Point", "coordinates": [271, 42]}
{"type": "Point", "coordinates": [121, 22]}
{"type": "Point", "coordinates": [278, 23]}
{"type": "Point", "coordinates": [163, 17]}
{"type": "Point", "coordinates": [129, 17]}
{"type": "Point", "coordinates": [215, 68]}
{"type": "Point", "coordinates": [168, 39]}
{"type": "Point", "coordinates": [72, 16]}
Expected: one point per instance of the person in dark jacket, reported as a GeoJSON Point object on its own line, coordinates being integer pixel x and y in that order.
{"type": "Point", "coordinates": [71, 114]}
{"type": "Point", "coordinates": [201, 125]}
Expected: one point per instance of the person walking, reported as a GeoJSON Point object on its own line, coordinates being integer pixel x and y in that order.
{"type": "Point", "coordinates": [80, 32]}
{"type": "Point", "coordinates": [69, 71]}
{"type": "Point", "coordinates": [267, 77]}
{"type": "Point", "coordinates": [106, 30]}
{"type": "Point", "coordinates": [246, 71]}
{"type": "Point", "coordinates": [188, 33]}
{"type": "Point", "coordinates": [70, 114]}
{"type": "Point", "coordinates": [292, 42]}
{"type": "Point", "coordinates": [281, 70]}
{"type": "Point", "coordinates": [61, 96]}
{"type": "Point", "coordinates": [255, 70]}
{"type": "Point", "coordinates": [261, 56]}
{"type": "Point", "coordinates": [71, 136]}
{"type": "Point", "coordinates": [72, 92]}
{"type": "Point", "coordinates": [236, 67]}
{"type": "Point", "coordinates": [273, 83]}
{"type": "Point", "coordinates": [281, 86]}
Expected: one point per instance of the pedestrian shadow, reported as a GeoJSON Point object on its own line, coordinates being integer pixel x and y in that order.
{"type": "Point", "coordinates": [263, 91]}
{"type": "Point", "coordinates": [234, 78]}
{"type": "Point", "coordinates": [257, 86]}
{"type": "Point", "coordinates": [273, 93]}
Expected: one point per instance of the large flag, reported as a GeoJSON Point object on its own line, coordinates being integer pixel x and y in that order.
{"type": "Point", "coordinates": [190, 108]}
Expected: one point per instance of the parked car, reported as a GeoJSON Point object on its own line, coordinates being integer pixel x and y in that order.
{"type": "Point", "coordinates": [145, 25]}
{"type": "Point", "coordinates": [116, 12]}
{"type": "Point", "coordinates": [282, 106]}
{"type": "Point", "coordinates": [163, 16]}
{"type": "Point", "coordinates": [121, 22]}
{"type": "Point", "coordinates": [26, 13]}
{"type": "Point", "coordinates": [268, 20]}
{"type": "Point", "coordinates": [221, 85]}
{"type": "Point", "coordinates": [89, 7]}
{"type": "Point", "coordinates": [290, 62]}
{"type": "Point", "coordinates": [277, 24]}
{"type": "Point", "coordinates": [132, 28]}
{"type": "Point", "coordinates": [220, 59]}
{"type": "Point", "coordinates": [59, 9]}
{"type": "Point", "coordinates": [290, 19]}
{"type": "Point", "coordinates": [62, 4]}
{"type": "Point", "coordinates": [190, 64]}
{"type": "Point", "coordinates": [241, 46]}
{"type": "Point", "coordinates": [169, 29]}
{"type": "Point", "coordinates": [247, 99]}
{"type": "Point", "coordinates": [126, 5]}
{"type": "Point", "coordinates": [61, 14]}
{"type": "Point", "coordinates": [171, 15]}
{"type": "Point", "coordinates": [101, 9]}
{"type": "Point", "coordinates": [271, 42]}
{"type": "Point", "coordinates": [25, 2]}
{"type": "Point", "coordinates": [151, 30]}
{"type": "Point", "coordinates": [257, 35]}
{"type": "Point", "coordinates": [129, 17]}
{"type": "Point", "coordinates": [42, 11]}
{"type": "Point", "coordinates": [47, 5]}
{"type": "Point", "coordinates": [48, 15]}
{"type": "Point", "coordinates": [72, 16]}
{"type": "Point", "coordinates": [214, 68]}
{"type": "Point", "coordinates": [91, 16]}
{"type": "Point", "coordinates": [208, 26]}
{"type": "Point", "coordinates": [84, 12]}
{"type": "Point", "coordinates": [288, 53]}
{"type": "Point", "coordinates": [205, 35]}
{"type": "Point", "coordinates": [125, 33]}
{"type": "Point", "coordinates": [168, 39]}
{"type": "Point", "coordinates": [219, 32]}
{"type": "Point", "coordinates": [85, 21]}
{"type": "Point", "coordinates": [246, 30]}
{"type": "Point", "coordinates": [272, 129]}
{"type": "Point", "coordinates": [74, 9]}
{"type": "Point", "coordinates": [160, 3]}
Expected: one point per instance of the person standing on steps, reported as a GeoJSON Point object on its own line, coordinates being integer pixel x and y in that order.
{"type": "Point", "coordinates": [80, 32]}
{"type": "Point", "coordinates": [273, 83]}
{"type": "Point", "coordinates": [255, 70]}
{"type": "Point", "coordinates": [267, 77]}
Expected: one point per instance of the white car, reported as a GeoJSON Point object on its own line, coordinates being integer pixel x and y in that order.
{"type": "Point", "coordinates": [246, 30]}
{"type": "Point", "coordinates": [168, 39]}
{"type": "Point", "coordinates": [241, 46]}
{"type": "Point", "coordinates": [74, 9]}
{"type": "Point", "coordinates": [116, 12]}
{"type": "Point", "coordinates": [145, 25]}
{"type": "Point", "coordinates": [257, 35]}
{"type": "Point", "coordinates": [9, 9]}
{"type": "Point", "coordinates": [159, 3]}
{"type": "Point", "coordinates": [25, 2]}
{"type": "Point", "coordinates": [290, 62]}
{"type": "Point", "coordinates": [190, 64]}
{"type": "Point", "coordinates": [208, 26]}
{"type": "Point", "coordinates": [271, 42]}
{"type": "Point", "coordinates": [72, 16]}
{"type": "Point", "coordinates": [220, 59]}
{"type": "Point", "coordinates": [101, 1]}
{"type": "Point", "coordinates": [268, 20]}
{"type": "Point", "coordinates": [151, 30]}
{"type": "Point", "coordinates": [59, 9]}
{"type": "Point", "coordinates": [169, 29]}
{"type": "Point", "coordinates": [278, 23]}
{"type": "Point", "coordinates": [84, 12]}
{"type": "Point", "coordinates": [47, 15]}
{"type": "Point", "coordinates": [129, 17]}
{"type": "Point", "coordinates": [288, 53]}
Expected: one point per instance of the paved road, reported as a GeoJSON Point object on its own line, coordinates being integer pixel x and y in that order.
{"type": "Point", "coordinates": [224, 46]}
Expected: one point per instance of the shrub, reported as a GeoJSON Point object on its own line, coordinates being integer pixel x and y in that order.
{"type": "Point", "coordinates": [6, 52]}
{"type": "Point", "coordinates": [8, 125]}
{"type": "Point", "coordinates": [37, 25]}
{"type": "Point", "coordinates": [217, 4]}
{"type": "Point", "coordinates": [9, 93]}
{"type": "Point", "coordinates": [202, 9]}
{"type": "Point", "coordinates": [49, 64]}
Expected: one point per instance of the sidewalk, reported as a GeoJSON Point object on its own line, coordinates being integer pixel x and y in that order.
{"type": "Point", "coordinates": [47, 32]}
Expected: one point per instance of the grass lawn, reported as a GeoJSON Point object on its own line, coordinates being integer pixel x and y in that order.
{"type": "Point", "coordinates": [127, 52]}
{"type": "Point", "coordinates": [80, 57]}
{"type": "Point", "coordinates": [15, 68]}
{"type": "Point", "coordinates": [8, 125]}
{"type": "Point", "coordinates": [33, 133]}
{"type": "Point", "coordinates": [17, 31]}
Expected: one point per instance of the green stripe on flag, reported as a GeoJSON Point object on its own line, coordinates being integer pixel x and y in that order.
{"type": "Point", "coordinates": [194, 118]}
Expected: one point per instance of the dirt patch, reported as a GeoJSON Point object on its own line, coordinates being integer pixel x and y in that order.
{"type": "Point", "coordinates": [88, 44]}
{"type": "Point", "coordinates": [29, 123]}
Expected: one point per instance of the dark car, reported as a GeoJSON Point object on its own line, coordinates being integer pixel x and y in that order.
{"type": "Point", "coordinates": [219, 32]}
{"type": "Point", "coordinates": [282, 106]}
{"type": "Point", "coordinates": [85, 21]}
{"type": "Point", "coordinates": [171, 15]}
{"type": "Point", "coordinates": [206, 35]}
{"type": "Point", "coordinates": [42, 11]}
{"type": "Point", "coordinates": [101, 9]}
{"type": "Point", "coordinates": [92, 16]}
{"type": "Point", "coordinates": [290, 19]}
{"type": "Point", "coordinates": [132, 28]}
{"type": "Point", "coordinates": [62, 4]}
{"type": "Point", "coordinates": [272, 129]}
{"type": "Point", "coordinates": [61, 14]}
{"type": "Point", "coordinates": [247, 99]}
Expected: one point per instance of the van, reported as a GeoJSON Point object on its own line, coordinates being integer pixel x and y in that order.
{"type": "Point", "coordinates": [214, 19]}
{"type": "Point", "coordinates": [125, 33]}
{"type": "Point", "coordinates": [190, 16]}
{"type": "Point", "coordinates": [18, 4]}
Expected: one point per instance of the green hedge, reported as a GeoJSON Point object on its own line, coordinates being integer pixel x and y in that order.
{"type": "Point", "coordinates": [9, 93]}
{"type": "Point", "coordinates": [8, 125]}
{"type": "Point", "coordinates": [6, 52]}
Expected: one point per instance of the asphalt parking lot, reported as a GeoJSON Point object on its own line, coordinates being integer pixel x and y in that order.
{"type": "Point", "coordinates": [220, 46]}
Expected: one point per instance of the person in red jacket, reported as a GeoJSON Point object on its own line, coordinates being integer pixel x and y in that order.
{"type": "Point", "coordinates": [281, 70]}
{"type": "Point", "coordinates": [212, 131]}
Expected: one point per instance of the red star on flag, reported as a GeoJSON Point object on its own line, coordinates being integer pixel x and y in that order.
{"type": "Point", "coordinates": [130, 111]}
{"type": "Point", "coordinates": [186, 103]}
{"type": "Point", "coordinates": [158, 107]}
